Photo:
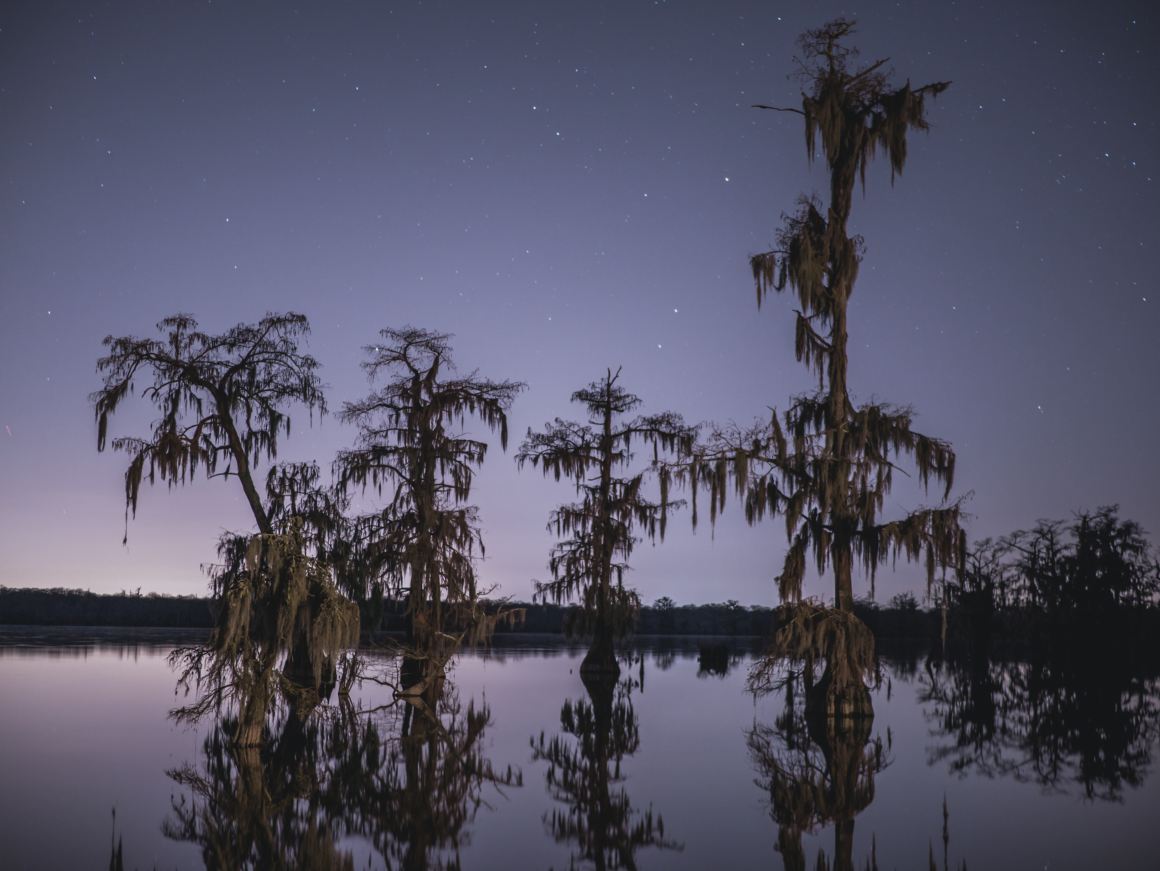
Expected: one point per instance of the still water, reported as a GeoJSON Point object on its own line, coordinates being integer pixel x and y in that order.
{"type": "Point", "coordinates": [993, 764]}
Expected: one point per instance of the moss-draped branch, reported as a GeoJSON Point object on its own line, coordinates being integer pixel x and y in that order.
{"type": "Point", "coordinates": [223, 400]}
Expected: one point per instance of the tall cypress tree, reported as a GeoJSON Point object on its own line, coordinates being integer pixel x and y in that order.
{"type": "Point", "coordinates": [828, 464]}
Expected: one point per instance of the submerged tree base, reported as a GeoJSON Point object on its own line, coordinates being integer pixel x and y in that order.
{"type": "Point", "coordinates": [841, 708]}
{"type": "Point", "coordinates": [249, 733]}
{"type": "Point", "coordinates": [809, 633]}
{"type": "Point", "coordinates": [421, 676]}
{"type": "Point", "coordinates": [600, 665]}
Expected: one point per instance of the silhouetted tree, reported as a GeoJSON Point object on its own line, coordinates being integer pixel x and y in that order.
{"type": "Point", "coordinates": [223, 400]}
{"type": "Point", "coordinates": [422, 544]}
{"type": "Point", "coordinates": [224, 403]}
{"type": "Point", "coordinates": [828, 465]}
{"type": "Point", "coordinates": [1093, 577]}
{"type": "Point", "coordinates": [598, 531]}
{"type": "Point", "coordinates": [715, 659]}
{"type": "Point", "coordinates": [1110, 565]}
{"type": "Point", "coordinates": [275, 600]}
{"type": "Point", "coordinates": [1041, 565]}
{"type": "Point", "coordinates": [116, 848]}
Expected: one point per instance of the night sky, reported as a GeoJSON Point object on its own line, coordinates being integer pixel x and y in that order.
{"type": "Point", "coordinates": [567, 187]}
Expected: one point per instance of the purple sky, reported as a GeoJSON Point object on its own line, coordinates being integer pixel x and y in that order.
{"type": "Point", "coordinates": [567, 187]}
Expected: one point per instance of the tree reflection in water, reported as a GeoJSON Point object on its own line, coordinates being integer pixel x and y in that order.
{"type": "Point", "coordinates": [815, 773]}
{"type": "Point", "coordinates": [1091, 724]}
{"type": "Point", "coordinates": [408, 782]}
{"type": "Point", "coordinates": [257, 806]}
{"type": "Point", "coordinates": [584, 774]}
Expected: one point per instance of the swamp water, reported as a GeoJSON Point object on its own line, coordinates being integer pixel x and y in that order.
{"type": "Point", "coordinates": [995, 764]}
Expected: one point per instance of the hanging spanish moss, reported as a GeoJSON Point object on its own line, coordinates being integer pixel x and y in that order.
{"type": "Point", "coordinates": [593, 810]}
{"type": "Point", "coordinates": [271, 597]}
{"type": "Point", "coordinates": [223, 400]}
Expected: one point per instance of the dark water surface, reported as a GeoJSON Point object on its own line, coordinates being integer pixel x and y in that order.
{"type": "Point", "coordinates": [1036, 766]}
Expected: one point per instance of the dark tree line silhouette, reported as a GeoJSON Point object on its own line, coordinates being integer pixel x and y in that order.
{"type": "Point", "coordinates": [1093, 570]}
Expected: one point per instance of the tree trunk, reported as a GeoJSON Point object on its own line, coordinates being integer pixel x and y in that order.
{"type": "Point", "coordinates": [842, 700]}
{"type": "Point", "coordinates": [299, 669]}
{"type": "Point", "coordinates": [600, 663]}
{"type": "Point", "coordinates": [421, 678]}
{"type": "Point", "coordinates": [251, 719]}
{"type": "Point", "coordinates": [841, 694]}
{"type": "Point", "coordinates": [843, 576]}
{"type": "Point", "coordinates": [843, 844]}
{"type": "Point", "coordinates": [242, 463]}
{"type": "Point", "coordinates": [848, 790]}
{"type": "Point", "coordinates": [601, 820]}
{"type": "Point", "coordinates": [789, 844]}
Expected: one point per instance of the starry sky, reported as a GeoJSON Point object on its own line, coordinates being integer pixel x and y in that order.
{"type": "Point", "coordinates": [567, 187]}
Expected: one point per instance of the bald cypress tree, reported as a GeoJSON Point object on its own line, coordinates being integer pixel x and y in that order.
{"type": "Point", "coordinates": [422, 543]}
{"type": "Point", "coordinates": [598, 531]}
{"type": "Point", "coordinates": [224, 402]}
{"type": "Point", "coordinates": [827, 464]}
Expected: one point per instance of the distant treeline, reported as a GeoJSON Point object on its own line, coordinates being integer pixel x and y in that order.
{"type": "Point", "coordinates": [61, 607]}
{"type": "Point", "coordinates": [986, 606]}
{"type": "Point", "coordinates": [902, 619]}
